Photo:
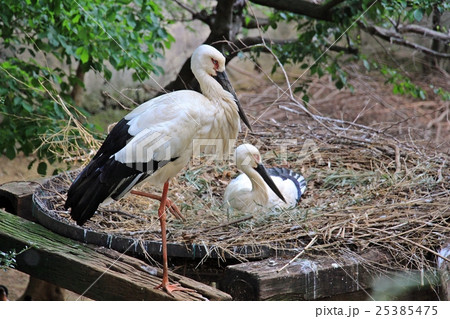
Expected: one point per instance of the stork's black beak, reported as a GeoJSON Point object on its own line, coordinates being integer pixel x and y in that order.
{"type": "Point", "coordinates": [222, 78]}
{"type": "Point", "coordinates": [262, 171]}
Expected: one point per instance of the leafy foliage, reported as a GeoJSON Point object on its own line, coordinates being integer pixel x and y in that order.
{"type": "Point", "coordinates": [81, 35]}
{"type": "Point", "coordinates": [311, 48]}
{"type": "Point", "coordinates": [8, 259]}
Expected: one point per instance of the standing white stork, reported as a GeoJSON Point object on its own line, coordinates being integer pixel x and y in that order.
{"type": "Point", "coordinates": [155, 141]}
{"type": "Point", "coordinates": [260, 189]}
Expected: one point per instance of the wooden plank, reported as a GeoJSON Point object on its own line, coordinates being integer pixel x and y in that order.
{"type": "Point", "coordinates": [15, 197]}
{"type": "Point", "coordinates": [304, 279]}
{"type": "Point", "coordinates": [96, 273]}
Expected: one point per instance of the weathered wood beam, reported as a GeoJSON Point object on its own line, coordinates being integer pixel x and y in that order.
{"type": "Point", "coordinates": [304, 279]}
{"type": "Point", "coordinates": [15, 197]}
{"type": "Point", "coordinates": [100, 274]}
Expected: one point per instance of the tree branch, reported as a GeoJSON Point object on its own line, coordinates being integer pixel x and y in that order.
{"type": "Point", "coordinates": [185, 7]}
{"type": "Point", "coordinates": [348, 50]}
{"type": "Point", "coordinates": [248, 43]}
{"type": "Point", "coordinates": [303, 7]}
{"type": "Point", "coordinates": [221, 26]}
{"type": "Point", "coordinates": [253, 24]}
{"type": "Point", "coordinates": [414, 28]}
{"type": "Point", "coordinates": [77, 91]}
{"type": "Point", "coordinates": [202, 15]}
{"type": "Point", "coordinates": [395, 37]}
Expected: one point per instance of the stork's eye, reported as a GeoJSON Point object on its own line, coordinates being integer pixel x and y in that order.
{"type": "Point", "coordinates": [215, 62]}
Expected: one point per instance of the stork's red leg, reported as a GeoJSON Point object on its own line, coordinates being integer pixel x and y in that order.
{"type": "Point", "coordinates": [171, 205]}
{"type": "Point", "coordinates": [162, 219]}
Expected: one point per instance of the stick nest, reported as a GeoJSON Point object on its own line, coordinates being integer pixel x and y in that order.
{"type": "Point", "coordinates": [364, 190]}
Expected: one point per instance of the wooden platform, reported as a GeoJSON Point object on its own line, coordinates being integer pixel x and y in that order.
{"type": "Point", "coordinates": [96, 272]}
{"type": "Point", "coordinates": [104, 274]}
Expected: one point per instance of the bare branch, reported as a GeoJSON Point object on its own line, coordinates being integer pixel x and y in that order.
{"type": "Point", "coordinates": [248, 43]}
{"type": "Point", "coordinates": [414, 28]}
{"type": "Point", "coordinates": [394, 37]}
{"type": "Point", "coordinates": [245, 44]}
{"type": "Point", "coordinates": [348, 50]}
{"type": "Point", "coordinates": [202, 15]}
{"type": "Point", "coordinates": [185, 7]}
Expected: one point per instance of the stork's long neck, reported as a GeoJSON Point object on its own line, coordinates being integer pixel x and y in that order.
{"type": "Point", "coordinates": [260, 194]}
{"type": "Point", "coordinates": [229, 125]}
{"type": "Point", "coordinates": [214, 91]}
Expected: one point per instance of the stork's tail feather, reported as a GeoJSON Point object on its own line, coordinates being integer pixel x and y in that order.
{"type": "Point", "coordinates": [96, 183]}
{"type": "Point", "coordinates": [285, 173]}
{"type": "Point", "coordinates": [84, 197]}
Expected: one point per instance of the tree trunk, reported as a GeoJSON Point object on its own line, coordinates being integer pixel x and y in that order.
{"type": "Point", "coordinates": [77, 91]}
{"type": "Point", "coordinates": [435, 43]}
{"type": "Point", "coordinates": [225, 26]}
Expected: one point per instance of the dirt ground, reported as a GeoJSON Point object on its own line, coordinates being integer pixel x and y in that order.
{"type": "Point", "coordinates": [371, 103]}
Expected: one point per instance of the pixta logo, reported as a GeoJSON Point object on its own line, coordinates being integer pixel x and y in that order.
{"type": "Point", "coordinates": [147, 152]}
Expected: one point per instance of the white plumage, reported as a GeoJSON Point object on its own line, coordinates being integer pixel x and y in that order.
{"type": "Point", "coordinates": [258, 189]}
{"type": "Point", "coordinates": [155, 141]}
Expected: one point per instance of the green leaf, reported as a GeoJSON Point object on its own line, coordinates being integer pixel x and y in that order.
{"type": "Point", "coordinates": [30, 165]}
{"type": "Point", "coordinates": [27, 106]}
{"type": "Point", "coordinates": [42, 168]}
{"type": "Point", "coordinates": [366, 64]}
{"type": "Point", "coordinates": [83, 53]}
{"type": "Point", "coordinates": [10, 152]}
{"type": "Point", "coordinates": [76, 18]}
{"type": "Point", "coordinates": [422, 94]}
{"type": "Point", "coordinates": [305, 98]}
{"type": "Point", "coordinates": [17, 100]}
{"type": "Point", "coordinates": [418, 14]}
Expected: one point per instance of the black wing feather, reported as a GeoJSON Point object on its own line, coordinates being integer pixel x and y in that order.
{"type": "Point", "coordinates": [90, 190]}
{"type": "Point", "coordinates": [101, 177]}
{"type": "Point", "coordinates": [115, 141]}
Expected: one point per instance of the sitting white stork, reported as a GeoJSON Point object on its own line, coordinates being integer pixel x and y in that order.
{"type": "Point", "coordinates": [258, 189]}
{"type": "Point", "coordinates": [155, 141]}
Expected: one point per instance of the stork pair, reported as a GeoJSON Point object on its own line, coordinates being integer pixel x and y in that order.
{"type": "Point", "coordinates": [155, 141]}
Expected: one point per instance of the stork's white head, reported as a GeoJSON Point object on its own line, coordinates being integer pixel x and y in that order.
{"type": "Point", "coordinates": [247, 156]}
{"type": "Point", "coordinates": [207, 63]}
{"type": "Point", "coordinates": [207, 59]}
